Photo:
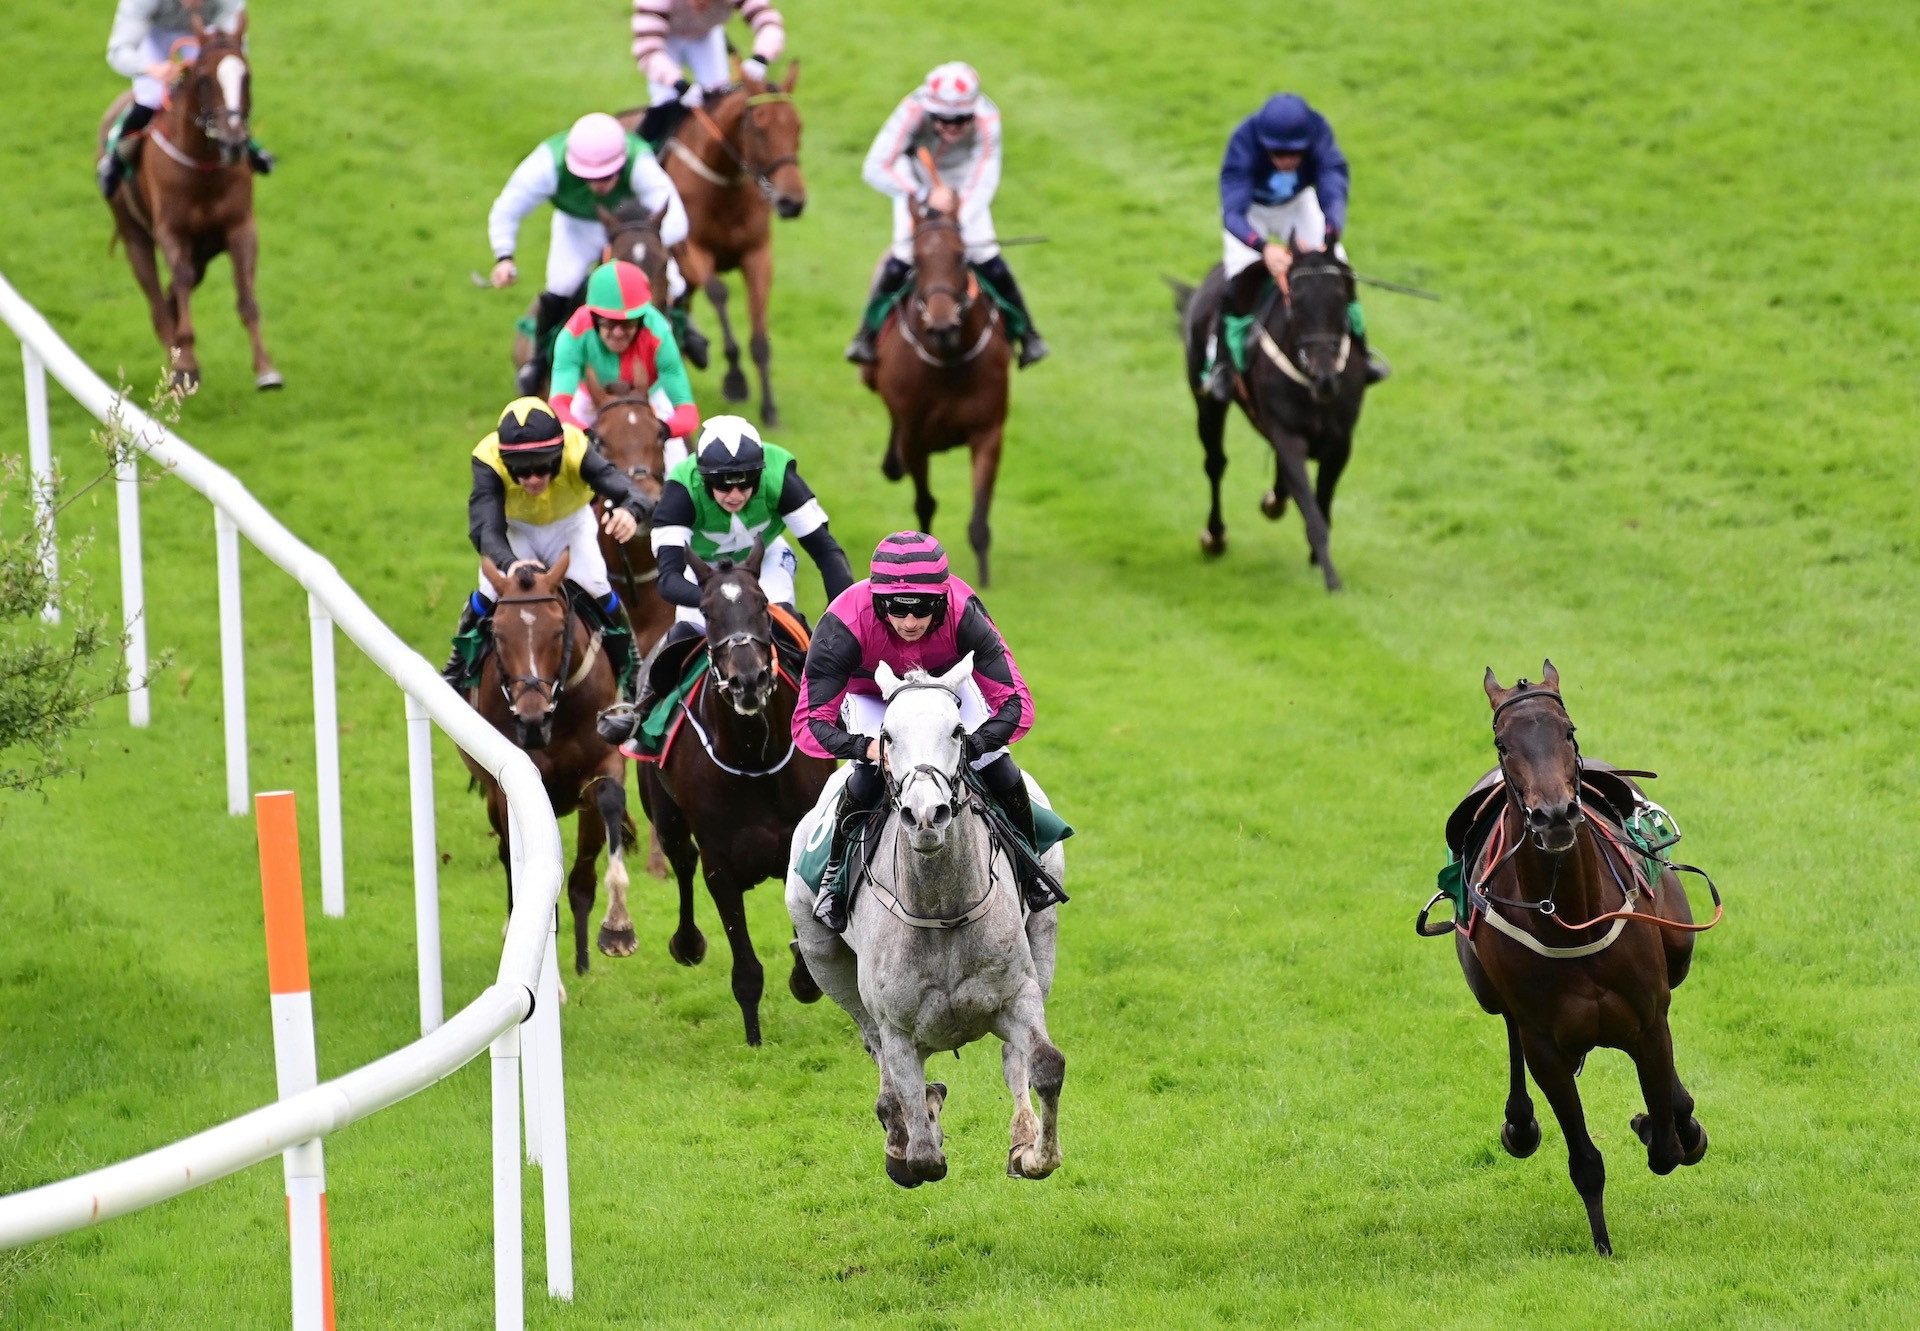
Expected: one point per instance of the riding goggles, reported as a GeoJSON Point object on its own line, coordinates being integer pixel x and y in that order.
{"type": "Point", "coordinates": [953, 122]}
{"type": "Point", "coordinates": [907, 607]}
{"type": "Point", "coordinates": [521, 471]}
{"type": "Point", "coordinates": [745, 480]}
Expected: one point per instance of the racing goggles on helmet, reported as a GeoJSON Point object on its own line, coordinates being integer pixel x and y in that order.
{"type": "Point", "coordinates": [525, 468]}
{"type": "Point", "coordinates": [958, 121]}
{"type": "Point", "coordinates": [907, 605]}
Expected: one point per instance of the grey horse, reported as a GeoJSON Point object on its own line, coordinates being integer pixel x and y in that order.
{"type": "Point", "coordinates": [939, 950]}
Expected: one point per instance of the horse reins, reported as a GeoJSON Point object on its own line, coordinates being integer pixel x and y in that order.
{"type": "Point", "coordinates": [742, 638]}
{"type": "Point", "coordinates": [761, 175]}
{"type": "Point", "coordinates": [965, 298]}
{"type": "Point", "coordinates": [1283, 293]}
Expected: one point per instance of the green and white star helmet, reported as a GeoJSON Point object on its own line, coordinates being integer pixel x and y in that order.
{"type": "Point", "coordinates": [729, 446]}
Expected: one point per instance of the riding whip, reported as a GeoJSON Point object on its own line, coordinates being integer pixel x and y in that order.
{"type": "Point", "coordinates": [1385, 285]}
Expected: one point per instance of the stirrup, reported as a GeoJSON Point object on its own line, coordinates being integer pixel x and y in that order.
{"type": "Point", "coordinates": [618, 723]}
{"type": "Point", "coordinates": [1218, 383]}
{"type": "Point", "coordinates": [1377, 367]}
{"type": "Point", "coordinates": [1033, 349]}
{"type": "Point", "coordinates": [862, 351]}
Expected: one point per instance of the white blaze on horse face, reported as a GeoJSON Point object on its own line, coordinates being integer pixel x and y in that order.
{"type": "Point", "coordinates": [731, 591]}
{"type": "Point", "coordinates": [920, 726]}
{"type": "Point", "coordinates": [231, 73]}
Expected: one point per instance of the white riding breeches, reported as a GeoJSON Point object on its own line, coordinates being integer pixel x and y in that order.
{"type": "Point", "coordinates": [578, 534]}
{"type": "Point", "coordinates": [705, 56]}
{"type": "Point", "coordinates": [573, 250]}
{"type": "Point", "coordinates": [776, 580]}
{"type": "Point", "coordinates": [976, 231]}
{"type": "Point", "coordinates": [1299, 217]}
{"type": "Point", "coordinates": [864, 714]}
{"type": "Point", "coordinates": [586, 413]}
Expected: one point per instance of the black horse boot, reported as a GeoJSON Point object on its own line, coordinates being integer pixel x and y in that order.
{"type": "Point", "coordinates": [1009, 791]}
{"type": "Point", "coordinates": [550, 311]}
{"type": "Point", "coordinates": [1033, 347]}
{"type": "Point", "coordinates": [893, 276]}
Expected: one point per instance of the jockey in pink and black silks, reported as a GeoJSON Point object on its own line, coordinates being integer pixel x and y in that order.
{"type": "Point", "coordinates": [913, 614]}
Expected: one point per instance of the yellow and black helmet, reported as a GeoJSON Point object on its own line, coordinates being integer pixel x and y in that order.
{"type": "Point", "coordinates": [531, 438]}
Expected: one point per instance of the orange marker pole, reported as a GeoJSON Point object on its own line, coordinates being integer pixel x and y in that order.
{"type": "Point", "coordinates": [294, 1064]}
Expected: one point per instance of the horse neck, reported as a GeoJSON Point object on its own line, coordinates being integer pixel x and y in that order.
{"type": "Point", "coordinates": [947, 880]}
{"type": "Point", "coordinates": [718, 154]}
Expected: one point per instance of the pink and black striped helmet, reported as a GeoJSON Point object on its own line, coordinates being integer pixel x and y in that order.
{"type": "Point", "coordinates": [909, 563]}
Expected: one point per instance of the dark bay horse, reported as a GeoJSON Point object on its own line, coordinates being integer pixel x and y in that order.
{"type": "Point", "coordinates": [541, 686]}
{"type": "Point", "coordinates": [1306, 375]}
{"type": "Point", "coordinates": [733, 785]}
{"type": "Point", "coordinates": [736, 163]}
{"type": "Point", "coordinates": [941, 368]}
{"type": "Point", "coordinates": [633, 234]}
{"type": "Point", "coordinates": [189, 198]}
{"type": "Point", "coordinates": [1566, 964]}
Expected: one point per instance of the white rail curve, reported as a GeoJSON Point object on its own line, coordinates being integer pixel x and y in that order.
{"type": "Point", "coordinates": [528, 961]}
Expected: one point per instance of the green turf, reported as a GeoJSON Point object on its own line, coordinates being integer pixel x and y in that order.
{"type": "Point", "coordinates": [1662, 430]}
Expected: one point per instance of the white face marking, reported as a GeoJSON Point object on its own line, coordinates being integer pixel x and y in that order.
{"type": "Point", "coordinates": [231, 72]}
{"type": "Point", "coordinates": [526, 616]}
{"type": "Point", "coordinates": [633, 417]}
{"type": "Point", "coordinates": [730, 591]}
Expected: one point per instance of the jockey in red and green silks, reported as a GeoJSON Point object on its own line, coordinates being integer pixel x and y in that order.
{"type": "Point", "coordinates": [623, 338]}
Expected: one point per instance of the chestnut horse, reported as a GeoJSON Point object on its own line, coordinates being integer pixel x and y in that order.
{"type": "Point", "coordinates": [733, 784]}
{"type": "Point", "coordinates": [628, 433]}
{"type": "Point", "coordinates": [633, 234]}
{"type": "Point", "coordinates": [1565, 964]}
{"type": "Point", "coordinates": [189, 197]}
{"type": "Point", "coordinates": [736, 163]}
{"type": "Point", "coordinates": [941, 368]}
{"type": "Point", "coordinates": [541, 686]}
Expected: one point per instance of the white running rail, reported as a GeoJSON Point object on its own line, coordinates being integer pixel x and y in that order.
{"type": "Point", "coordinates": [528, 961]}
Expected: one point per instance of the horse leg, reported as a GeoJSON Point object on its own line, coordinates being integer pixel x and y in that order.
{"type": "Point", "coordinates": [1329, 476]}
{"type": "Point", "coordinates": [1554, 1071]}
{"type": "Point", "coordinates": [687, 945]}
{"type": "Point", "coordinates": [756, 269]}
{"type": "Point", "coordinates": [749, 977]}
{"type": "Point", "coordinates": [243, 244]}
{"type": "Point", "coordinates": [1290, 471]}
{"type": "Point", "coordinates": [986, 466]}
{"type": "Point", "coordinates": [181, 361]}
{"type": "Point", "coordinates": [733, 385]}
{"type": "Point", "coordinates": [1520, 1134]}
{"type": "Point", "coordinates": [146, 271]}
{"type": "Point", "coordinates": [903, 1071]}
{"type": "Point", "coordinates": [589, 835]}
{"type": "Point", "coordinates": [616, 937]}
{"type": "Point", "coordinates": [1031, 1059]}
{"type": "Point", "coordinates": [1212, 425]}
{"type": "Point", "coordinates": [891, 464]}
{"type": "Point", "coordinates": [1658, 1128]}
{"type": "Point", "coordinates": [918, 463]}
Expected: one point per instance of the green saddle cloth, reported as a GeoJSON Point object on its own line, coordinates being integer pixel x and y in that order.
{"type": "Point", "coordinates": [1049, 830]}
{"type": "Point", "coordinates": [651, 737]}
{"type": "Point", "coordinates": [881, 306]}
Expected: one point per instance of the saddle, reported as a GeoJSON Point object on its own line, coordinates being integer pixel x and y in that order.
{"type": "Point", "coordinates": [885, 309]}
{"type": "Point", "coordinates": [679, 665]}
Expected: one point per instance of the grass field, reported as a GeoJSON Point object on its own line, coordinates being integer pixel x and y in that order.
{"type": "Point", "coordinates": [1662, 430]}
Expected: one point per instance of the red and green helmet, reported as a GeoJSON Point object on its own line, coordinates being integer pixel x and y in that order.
{"type": "Point", "coordinates": [618, 290]}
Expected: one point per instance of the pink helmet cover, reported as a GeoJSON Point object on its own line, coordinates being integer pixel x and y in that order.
{"type": "Point", "coordinates": [596, 146]}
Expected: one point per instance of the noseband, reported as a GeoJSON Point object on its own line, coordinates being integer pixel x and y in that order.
{"type": "Point", "coordinates": [761, 174]}
{"type": "Point", "coordinates": [1523, 692]}
{"type": "Point", "coordinates": [1285, 361]}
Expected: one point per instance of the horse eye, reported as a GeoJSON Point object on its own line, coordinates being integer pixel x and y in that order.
{"type": "Point", "coordinates": [1499, 746]}
{"type": "Point", "coordinates": [959, 731]}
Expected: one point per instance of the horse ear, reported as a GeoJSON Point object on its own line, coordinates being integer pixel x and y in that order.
{"type": "Point", "coordinates": [962, 672]}
{"type": "Point", "coordinates": [793, 76]}
{"type": "Point", "coordinates": [1549, 677]}
{"type": "Point", "coordinates": [702, 570]}
{"type": "Point", "coordinates": [660, 217]}
{"type": "Point", "coordinates": [240, 28]}
{"type": "Point", "coordinates": [608, 219]}
{"type": "Point", "coordinates": [557, 570]}
{"type": "Point", "coordinates": [755, 555]}
{"type": "Point", "coordinates": [495, 578]}
{"type": "Point", "coordinates": [888, 681]}
{"type": "Point", "coordinates": [1492, 686]}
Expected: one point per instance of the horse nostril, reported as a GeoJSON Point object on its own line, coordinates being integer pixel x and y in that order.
{"type": "Point", "coordinates": [941, 817]}
{"type": "Point", "coordinates": [907, 817]}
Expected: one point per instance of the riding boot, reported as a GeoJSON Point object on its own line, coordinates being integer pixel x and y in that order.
{"type": "Point", "coordinates": [550, 312]}
{"type": "Point", "coordinates": [660, 123]}
{"type": "Point", "coordinates": [619, 723]}
{"type": "Point", "coordinates": [859, 799]}
{"type": "Point", "coordinates": [259, 158]}
{"type": "Point", "coordinates": [1033, 347]}
{"type": "Point", "coordinates": [467, 642]}
{"type": "Point", "coordinates": [112, 168]}
{"type": "Point", "coordinates": [1008, 788]}
{"type": "Point", "coordinates": [1241, 299]}
{"type": "Point", "coordinates": [617, 640]}
{"type": "Point", "coordinates": [691, 341]}
{"type": "Point", "coordinates": [893, 276]}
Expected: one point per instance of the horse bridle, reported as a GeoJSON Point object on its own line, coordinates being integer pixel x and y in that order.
{"type": "Point", "coordinates": [1283, 294]}
{"type": "Point", "coordinates": [953, 788]}
{"type": "Point", "coordinates": [1525, 692]}
{"type": "Point", "coordinates": [964, 297]}
{"type": "Point", "coordinates": [511, 686]}
{"type": "Point", "coordinates": [761, 175]}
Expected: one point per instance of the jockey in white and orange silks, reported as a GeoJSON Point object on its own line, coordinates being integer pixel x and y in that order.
{"type": "Point", "coordinates": [947, 122]}
{"type": "Point", "coordinates": [669, 35]}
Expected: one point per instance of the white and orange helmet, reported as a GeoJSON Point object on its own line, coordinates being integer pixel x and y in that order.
{"type": "Point", "coordinates": [951, 91]}
{"type": "Point", "coordinates": [596, 146]}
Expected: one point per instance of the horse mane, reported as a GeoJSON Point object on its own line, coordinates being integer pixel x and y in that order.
{"type": "Point", "coordinates": [524, 578]}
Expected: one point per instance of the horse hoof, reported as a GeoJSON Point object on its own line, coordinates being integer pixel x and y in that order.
{"type": "Point", "coordinates": [1523, 1143]}
{"type": "Point", "coordinates": [1603, 1248]}
{"type": "Point", "coordinates": [734, 386]}
{"type": "Point", "coordinates": [931, 1169]}
{"type": "Point", "coordinates": [618, 942]}
{"type": "Point", "coordinates": [890, 466]}
{"type": "Point", "coordinates": [1699, 1151]}
{"type": "Point", "coordinates": [563, 995]}
{"type": "Point", "coordinates": [1273, 504]}
{"type": "Point", "coordinates": [768, 416]}
{"type": "Point", "coordinates": [898, 1171]}
{"type": "Point", "coordinates": [688, 951]}
{"type": "Point", "coordinates": [936, 1098]}
{"type": "Point", "coordinates": [185, 383]}
{"type": "Point", "coordinates": [1642, 1128]}
{"type": "Point", "coordinates": [1334, 585]}
{"type": "Point", "coordinates": [656, 863]}
{"type": "Point", "coordinates": [800, 981]}
{"type": "Point", "coordinates": [271, 379]}
{"type": "Point", "coordinates": [1213, 546]}
{"type": "Point", "coordinates": [1027, 1162]}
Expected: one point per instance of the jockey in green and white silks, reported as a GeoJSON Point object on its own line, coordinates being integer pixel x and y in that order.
{"type": "Point", "coordinates": [534, 483]}
{"type": "Point", "coordinates": [141, 48]}
{"type": "Point", "coordinates": [594, 165]}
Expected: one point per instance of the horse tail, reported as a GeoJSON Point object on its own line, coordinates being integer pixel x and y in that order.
{"type": "Point", "coordinates": [1182, 293]}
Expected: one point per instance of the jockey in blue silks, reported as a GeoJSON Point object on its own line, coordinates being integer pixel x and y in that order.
{"type": "Point", "coordinates": [1283, 178]}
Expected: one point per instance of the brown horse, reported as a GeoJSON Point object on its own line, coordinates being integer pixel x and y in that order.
{"type": "Point", "coordinates": [1564, 963]}
{"type": "Point", "coordinates": [736, 163]}
{"type": "Point", "coordinates": [630, 436]}
{"type": "Point", "coordinates": [941, 368]}
{"type": "Point", "coordinates": [190, 198]}
{"type": "Point", "coordinates": [633, 234]}
{"type": "Point", "coordinates": [541, 686]}
{"type": "Point", "coordinates": [733, 785]}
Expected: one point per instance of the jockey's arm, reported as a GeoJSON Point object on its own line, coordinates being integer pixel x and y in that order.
{"type": "Point", "coordinates": [1238, 172]}
{"type": "Point", "coordinates": [126, 44]}
{"type": "Point", "coordinates": [769, 30]}
{"type": "Point", "coordinates": [672, 532]}
{"type": "Point", "coordinates": [487, 515]}
{"type": "Point", "coordinates": [999, 680]}
{"type": "Point", "coordinates": [670, 375]}
{"type": "Point", "coordinates": [1325, 168]}
{"type": "Point", "coordinates": [569, 367]}
{"type": "Point", "coordinates": [888, 167]}
{"type": "Point", "coordinates": [611, 484]}
{"type": "Point", "coordinates": [832, 658]}
{"type": "Point", "coordinates": [652, 186]}
{"type": "Point", "coordinates": [804, 517]}
{"type": "Point", "coordinates": [976, 195]}
{"type": "Point", "coordinates": [531, 184]}
{"type": "Point", "coordinates": [651, 19]}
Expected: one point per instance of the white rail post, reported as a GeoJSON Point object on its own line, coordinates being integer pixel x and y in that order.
{"type": "Point", "coordinates": [295, 1067]}
{"type": "Point", "coordinates": [40, 455]}
{"type": "Point", "coordinates": [509, 1274]}
{"type": "Point", "coordinates": [555, 1184]}
{"type": "Point", "coordinates": [326, 760]}
{"type": "Point", "coordinates": [233, 666]}
{"type": "Point", "coordinates": [426, 862]}
{"type": "Point", "coordinates": [531, 1049]}
{"type": "Point", "coordinates": [133, 597]}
